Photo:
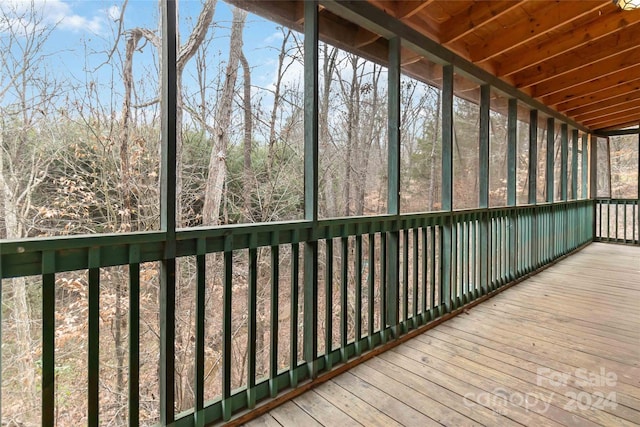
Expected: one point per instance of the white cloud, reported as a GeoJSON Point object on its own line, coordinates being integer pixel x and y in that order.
{"type": "Point", "coordinates": [24, 15]}
{"type": "Point", "coordinates": [113, 12]}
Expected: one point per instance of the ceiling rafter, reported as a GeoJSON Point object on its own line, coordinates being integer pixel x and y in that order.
{"type": "Point", "coordinates": [617, 109]}
{"type": "Point", "coordinates": [618, 125]}
{"type": "Point", "coordinates": [478, 14]}
{"type": "Point", "coordinates": [585, 74]}
{"type": "Point", "coordinates": [545, 18]}
{"type": "Point", "coordinates": [602, 88]}
{"type": "Point", "coordinates": [526, 55]}
{"type": "Point", "coordinates": [612, 45]}
{"type": "Point", "coordinates": [614, 119]}
{"type": "Point", "coordinates": [601, 104]}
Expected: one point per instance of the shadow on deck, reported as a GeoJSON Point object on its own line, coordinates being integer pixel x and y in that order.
{"type": "Point", "coordinates": [561, 348]}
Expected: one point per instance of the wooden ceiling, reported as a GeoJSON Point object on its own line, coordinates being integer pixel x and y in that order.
{"type": "Point", "coordinates": [579, 57]}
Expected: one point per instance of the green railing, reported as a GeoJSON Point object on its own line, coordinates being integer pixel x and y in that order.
{"type": "Point", "coordinates": [367, 281]}
{"type": "Point", "coordinates": [617, 221]}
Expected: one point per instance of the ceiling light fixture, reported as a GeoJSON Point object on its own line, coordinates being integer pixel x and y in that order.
{"type": "Point", "coordinates": [627, 4]}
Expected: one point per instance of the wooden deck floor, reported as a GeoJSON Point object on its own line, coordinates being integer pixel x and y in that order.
{"type": "Point", "coordinates": [561, 348]}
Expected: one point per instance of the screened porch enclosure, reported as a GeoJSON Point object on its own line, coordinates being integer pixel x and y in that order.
{"type": "Point", "coordinates": [488, 174]}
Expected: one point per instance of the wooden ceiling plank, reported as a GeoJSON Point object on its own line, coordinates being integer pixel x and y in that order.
{"type": "Point", "coordinates": [584, 75]}
{"type": "Point", "coordinates": [549, 17]}
{"type": "Point", "coordinates": [423, 25]}
{"type": "Point", "coordinates": [612, 119]}
{"type": "Point", "coordinates": [287, 12]}
{"type": "Point", "coordinates": [601, 104]}
{"type": "Point", "coordinates": [617, 109]}
{"type": "Point", "coordinates": [611, 85]}
{"type": "Point", "coordinates": [406, 9]}
{"type": "Point", "coordinates": [614, 44]}
{"type": "Point", "coordinates": [526, 56]}
{"type": "Point", "coordinates": [618, 126]}
{"type": "Point", "coordinates": [478, 14]}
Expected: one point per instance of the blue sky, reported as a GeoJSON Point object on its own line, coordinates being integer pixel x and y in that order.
{"type": "Point", "coordinates": [84, 31]}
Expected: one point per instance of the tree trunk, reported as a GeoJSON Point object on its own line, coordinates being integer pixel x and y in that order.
{"type": "Point", "coordinates": [432, 155]}
{"type": "Point", "coordinates": [21, 312]}
{"type": "Point", "coordinates": [328, 67]}
{"type": "Point", "coordinates": [217, 166]}
{"type": "Point", "coordinates": [248, 131]}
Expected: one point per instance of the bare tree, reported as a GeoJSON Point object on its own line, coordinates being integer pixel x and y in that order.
{"type": "Point", "coordinates": [217, 166]}
{"type": "Point", "coordinates": [27, 95]}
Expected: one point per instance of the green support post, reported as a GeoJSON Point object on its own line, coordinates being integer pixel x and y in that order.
{"type": "Point", "coordinates": [512, 151]}
{"type": "Point", "coordinates": [311, 183]}
{"type": "Point", "coordinates": [548, 245]}
{"type": "Point", "coordinates": [134, 335]}
{"type": "Point", "coordinates": [593, 168]}
{"type": "Point", "coordinates": [564, 160]}
{"type": "Point", "coordinates": [533, 157]}
{"type": "Point", "coordinates": [574, 164]}
{"type": "Point", "coordinates": [1, 317]}
{"type": "Point", "coordinates": [533, 187]}
{"type": "Point", "coordinates": [512, 156]}
{"type": "Point", "coordinates": [483, 169]}
{"type": "Point", "coordinates": [549, 161]}
{"type": "Point", "coordinates": [593, 179]}
{"type": "Point", "coordinates": [447, 188]}
{"type": "Point", "coordinates": [201, 312]}
{"type": "Point", "coordinates": [48, 338]}
{"type": "Point", "coordinates": [585, 166]}
{"type": "Point", "coordinates": [168, 175]}
{"type": "Point", "coordinates": [393, 242]}
{"type": "Point", "coordinates": [93, 353]}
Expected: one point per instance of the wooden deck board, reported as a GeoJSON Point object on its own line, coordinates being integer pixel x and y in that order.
{"type": "Point", "coordinates": [502, 363]}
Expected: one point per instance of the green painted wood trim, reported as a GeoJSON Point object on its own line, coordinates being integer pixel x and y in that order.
{"type": "Point", "coordinates": [549, 171]}
{"type": "Point", "coordinates": [585, 166]}
{"type": "Point", "coordinates": [199, 368]}
{"type": "Point", "coordinates": [134, 336]}
{"type": "Point", "coordinates": [574, 164]}
{"type": "Point", "coordinates": [168, 174]}
{"type": "Point", "coordinates": [512, 151]}
{"type": "Point", "coordinates": [310, 298]}
{"type": "Point", "coordinates": [533, 156]}
{"type": "Point", "coordinates": [447, 138]}
{"type": "Point", "coordinates": [593, 168]}
{"type": "Point", "coordinates": [483, 143]}
{"type": "Point", "coordinates": [311, 110]}
{"type": "Point", "coordinates": [48, 338]}
{"type": "Point", "coordinates": [93, 353]}
{"type": "Point", "coordinates": [393, 241]}
{"type": "Point", "coordinates": [446, 238]}
{"type": "Point", "coordinates": [564, 161]}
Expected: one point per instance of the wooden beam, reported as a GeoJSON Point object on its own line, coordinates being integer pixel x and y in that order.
{"type": "Point", "coordinates": [611, 129]}
{"type": "Point", "coordinates": [595, 70]}
{"type": "Point", "coordinates": [423, 25]}
{"type": "Point", "coordinates": [601, 104]}
{"type": "Point", "coordinates": [478, 14]}
{"type": "Point", "coordinates": [599, 50]}
{"type": "Point", "coordinates": [617, 109]}
{"type": "Point", "coordinates": [615, 84]}
{"type": "Point", "coordinates": [527, 55]}
{"type": "Point", "coordinates": [287, 12]}
{"type": "Point", "coordinates": [538, 18]}
{"type": "Point", "coordinates": [406, 9]}
{"type": "Point", "coordinates": [614, 119]}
